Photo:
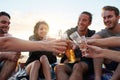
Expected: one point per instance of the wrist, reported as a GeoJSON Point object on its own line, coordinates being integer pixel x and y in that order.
{"type": "Point", "coordinates": [43, 45]}
{"type": "Point", "coordinates": [104, 53]}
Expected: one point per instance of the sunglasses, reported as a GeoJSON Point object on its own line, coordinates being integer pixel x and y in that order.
{"type": "Point", "coordinates": [5, 22]}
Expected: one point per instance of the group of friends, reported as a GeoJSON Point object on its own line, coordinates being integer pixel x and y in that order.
{"type": "Point", "coordinates": [102, 48]}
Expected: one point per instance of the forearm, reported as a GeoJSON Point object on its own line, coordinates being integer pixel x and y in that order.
{"type": "Point", "coordinates": [112, 41]}
{"type": "Point", "coordinates": [106, 42]}
{"type": "Point", "coordinates": [110, 54]}
{"type": "Point", "coordinates": [14, 44]}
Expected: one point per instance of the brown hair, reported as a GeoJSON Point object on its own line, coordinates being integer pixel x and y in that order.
{"type": "Point", "coordinates": [5, 14]}
{"type": "Point", "coordinates": [36, 36]}
{"type": "Point", "coordinates": [89, 14]}
{"type": "Point", "coordinates": [112, 8]}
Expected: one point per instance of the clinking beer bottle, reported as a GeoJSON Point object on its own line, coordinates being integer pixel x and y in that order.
{"type": "Point", "coordinates": [70, 53]}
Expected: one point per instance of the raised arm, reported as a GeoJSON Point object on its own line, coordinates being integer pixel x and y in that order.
{"type": "Point", "coordinates": [97, 52]}
{"type": "Point", "coordinates": [15, 44]}
{"type": "Point", "coordinates": [105, 42]}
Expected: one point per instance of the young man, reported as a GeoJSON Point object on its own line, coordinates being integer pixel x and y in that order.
{"type": "Point", "coordinates": [14, 44]}
{"type": "Point", "coordinates": [111, 18]}
{"type": "Point", "coordinates": [76, 70]}
{"type": "Point", "coordinates": [6, 58]}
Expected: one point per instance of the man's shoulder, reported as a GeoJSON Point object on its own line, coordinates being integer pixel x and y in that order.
{"type": "Point", "coordinates": [104, 33]}
{"type": "Point", "coordinates": [71, 30]}
{"type": "Point", "coordinates": [103, 30]}
{"type": "Point", "coordinates": [90, 33]}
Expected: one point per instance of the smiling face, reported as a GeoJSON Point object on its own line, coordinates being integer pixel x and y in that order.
{"type": "Point", "coordinates": [110, 19]}
{"type": "Point", "coordinates": [40, 30]}
{"type": "Point", "coordinates": [4, 24]}
{"type": "Point", "coordinates": [83, 22]}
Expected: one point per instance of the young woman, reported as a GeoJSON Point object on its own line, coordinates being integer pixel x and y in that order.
{"type": "Point", "coordinates": [40, 60]}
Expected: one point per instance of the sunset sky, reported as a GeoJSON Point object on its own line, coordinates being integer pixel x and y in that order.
{"type": "Point", "coordinates": [59, 14]}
